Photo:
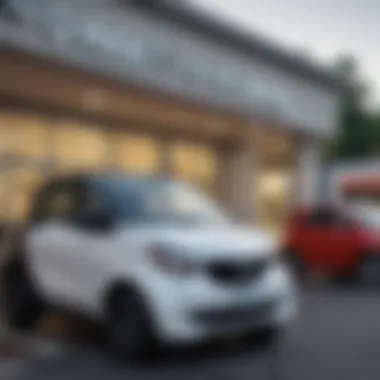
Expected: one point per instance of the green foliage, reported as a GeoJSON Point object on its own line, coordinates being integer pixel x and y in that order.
{"type": "Point", "coordinates": [359, 135]}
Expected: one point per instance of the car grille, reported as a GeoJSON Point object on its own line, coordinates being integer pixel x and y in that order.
{"type": "Point", "coordinates": [238, 315]}
{"type": "Point", "coordinates": [237, 273]}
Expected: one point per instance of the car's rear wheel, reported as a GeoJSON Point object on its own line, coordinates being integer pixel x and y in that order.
{"type": "Point", "coordinates": [368, 270]}
{"type": "Point", "coordinates": [20, 306]}
{"type": "Point", "coordinates": [130, 334]}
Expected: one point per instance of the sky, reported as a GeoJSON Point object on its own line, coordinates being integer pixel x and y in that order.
{"type": "Point", "coordinates": [324, 28]}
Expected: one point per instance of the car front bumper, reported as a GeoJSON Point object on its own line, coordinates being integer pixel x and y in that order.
{"type": "Point", "coordinates": [195, 310]}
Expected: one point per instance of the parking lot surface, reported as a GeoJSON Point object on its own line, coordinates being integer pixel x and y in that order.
{"type": "Point", "coordinates": [337, 336]}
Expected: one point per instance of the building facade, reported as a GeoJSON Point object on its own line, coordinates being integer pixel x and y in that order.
{"type": "Point", "coordinates": [354, 181]}
{"type": "Point", "coordinates": [157, 88]}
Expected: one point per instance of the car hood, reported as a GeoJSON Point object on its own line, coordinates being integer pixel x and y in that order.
{"type": "Point", "coordinates": [206, 243]}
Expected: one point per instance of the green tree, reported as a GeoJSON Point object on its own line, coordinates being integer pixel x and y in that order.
{"type": "Point", "coordinates": [359, 132]}
{"type": "Point", "coordinates": [376, 133]}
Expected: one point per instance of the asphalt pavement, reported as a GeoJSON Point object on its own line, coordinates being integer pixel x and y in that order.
{"type": "Point", "coordinates": [337, 336]}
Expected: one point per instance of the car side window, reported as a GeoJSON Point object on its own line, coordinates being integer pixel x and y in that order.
{"type": "Point", "coordinates": [327, 219]}
{"type": "Point", "coordinates": [322, 218]}
{"type": "Point", "coordinates": [92, 212]}
{"type": "Point", "coordinates": [57, 201]}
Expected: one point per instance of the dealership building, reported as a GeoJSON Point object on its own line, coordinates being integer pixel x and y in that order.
{"type": "Point", "coordinates": [158, 87]}
{"type": "Point", "coordinates": [353, 181]}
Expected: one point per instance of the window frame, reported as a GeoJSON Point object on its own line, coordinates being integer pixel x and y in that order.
{"type": "Point", "coordinates": [42, 200]}
{"type": "Point", "coordinates": [335, 218]}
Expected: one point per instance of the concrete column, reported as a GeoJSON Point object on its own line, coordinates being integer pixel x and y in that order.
{"type": "Point", "coordinates": [307, 173]}
{"type": "Point", "coordinates": [239, 166]}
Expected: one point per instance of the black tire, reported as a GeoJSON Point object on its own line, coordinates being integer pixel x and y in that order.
{"type": "Point", "coordinates": [130, 333]}
{"type": "Point", "coordinates": [266, 338]}
{"type": "Point", "coordinates": [21, 308]}
{"type": "Point", "coordinates": [368, 271]}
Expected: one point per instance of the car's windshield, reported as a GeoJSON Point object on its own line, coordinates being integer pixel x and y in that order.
{"type": "Point", "coordinates": [368, 215]}
{"type": "Point", "coordinates": [157, 200]}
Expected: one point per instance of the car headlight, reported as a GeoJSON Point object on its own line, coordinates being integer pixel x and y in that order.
{"type": "Point", "coordinates": [171, 260]}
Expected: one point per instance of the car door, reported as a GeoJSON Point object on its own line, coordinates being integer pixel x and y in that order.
{"type": "Point", "coordinates": [327, 239]}
{"type": "Point", "coordinates": [88, 248]}
{"type": "Point", "coordinates": [46, 242]}
{"type": "Point", "coordinates": [341, 241]}
{"type": "Point", "coordinates": [311, 239]}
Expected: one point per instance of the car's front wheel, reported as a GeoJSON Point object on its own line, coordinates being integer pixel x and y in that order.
{"type": "Point", "coordinates": [20, 306]}
{"type": "Point", "coordinates": [266, 338]}
{"type": "Point", "coordinates": [130, 334]}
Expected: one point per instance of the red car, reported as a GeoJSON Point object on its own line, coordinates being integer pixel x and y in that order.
{"type": "Point", "coordinates": [340, 242]}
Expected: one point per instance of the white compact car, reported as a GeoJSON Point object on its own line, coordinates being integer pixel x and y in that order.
{"type": "Point", "coordinates": [151, 258]}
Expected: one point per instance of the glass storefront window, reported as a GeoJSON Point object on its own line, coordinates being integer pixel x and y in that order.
{"type": "Point", "coordinates": [68, 145]}
{"type": "Point", "coordinates": [5, 192]}
{"type": "Point", "coordinates": [196, 164]}
{"type": "Point", "coordinates": [25, 135]}
{"type": "Point", "coordinates": [33, 137]}
{"type": "Point", "coordinates": [8, 130]}
{"type": "Point", "coordinates": [273, 199]}
{"type": "Point", "coordinates": [80, 147]}
{"type": "Point", "coordinates": [135, 153]}
{"type": "Point", "coordinates": [23, 184]}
